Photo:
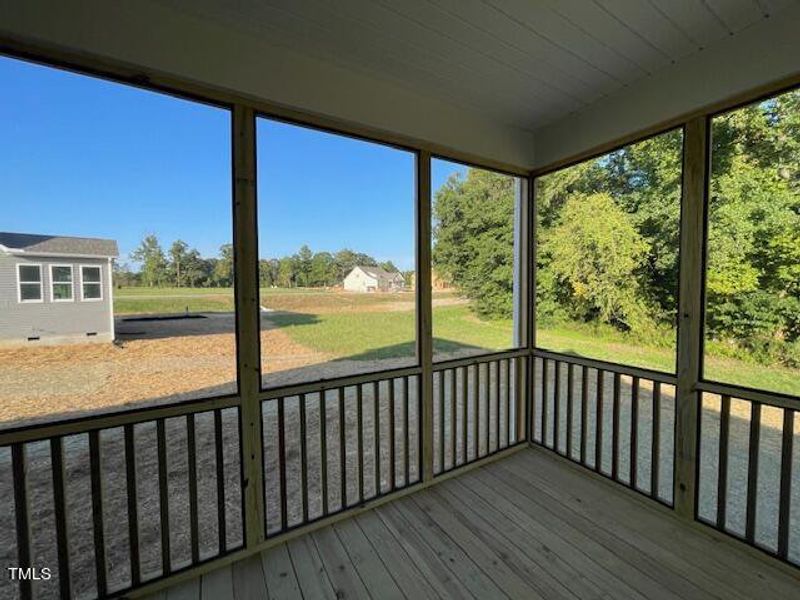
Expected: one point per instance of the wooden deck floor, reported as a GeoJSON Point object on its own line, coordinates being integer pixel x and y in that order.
{"type": "Point", "coordinates": [528, 526]}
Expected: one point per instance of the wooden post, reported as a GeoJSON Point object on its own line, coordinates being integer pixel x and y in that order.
{"type": "Point", "coordinates": [522, 300]}
{"type": "Point", "coordinates": [425, 308]}
{"type": "Point", "coordinates": [245, 253]}
{"type": "Point", "coordinates": [690, 326]}
{"type": "Point", "coordinates": [531, 307]}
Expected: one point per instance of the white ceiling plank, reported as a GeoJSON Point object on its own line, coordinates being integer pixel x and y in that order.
{"type": "Point", "coordinates": [651, 24]}
{"type": "Point", "coordinates": [694, 18]}
{"type": "Point", "coordinates": [499, 55]}
{"type": "Point", "coordinates": [592, 17]}
{"type": "Point", "coordinates": [736, 14]}
{"type": "Point", "coordinates": [573, 40]}
{"type": "Point", "coordinates": [366, 53]}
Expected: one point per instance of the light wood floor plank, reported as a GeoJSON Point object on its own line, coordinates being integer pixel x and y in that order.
{"type": "Point", "coordinates": [311, 574]}
{"type": "Point", "coordinates": [409, 579]}
{"type": "Point", "coordinates": [529, 526]}
{"type": "Point", "coordinates": [682, 575]}
{"type": "Point", "coordinates": [591, 560]}
{"type": "Point", "coordinates": [498, 559]}
{"type": "Point", "coordinates": [248, 579]}
{"type": "Point", "coordinates": [431, 563]}
{"type": "Point", "coordinates": [217, 585]}
{"type": "Point", "coordinates": [660, 537]}
{"type": "Point", "coordinates": [474, 579]}
{"type": "Point", "coordinates": [529, 555]}
{"type": "Point", "coordinates": [340, 569]}
{"type": "Point", "coordinates": [279, 573]}
{"type": "Point", "coordinates": [186, 590]}
{"type": "Point", "coordinates": [366, 561]}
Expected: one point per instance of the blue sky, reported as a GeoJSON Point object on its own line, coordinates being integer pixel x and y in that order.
{"type": "Point", "coordinates": [82, 156]}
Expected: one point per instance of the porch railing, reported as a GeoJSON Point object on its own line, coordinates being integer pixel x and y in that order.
{"type": "Point", "coordinates": [746, 478]}
{"type": "Point", "coordinates": [615, 420]}
{"type": "Point", "coordinates": [479, 408]}
{"type": "Point", "coordinates": [110, 504]}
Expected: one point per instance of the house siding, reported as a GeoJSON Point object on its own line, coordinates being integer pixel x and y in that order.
{"type": "Point", "coordinates": [53, 322]}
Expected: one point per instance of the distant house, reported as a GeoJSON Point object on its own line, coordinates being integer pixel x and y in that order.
{"type": "Point", "coordinates": [373, 279]}
{"type": "Point", "coordinates": [55, 289]}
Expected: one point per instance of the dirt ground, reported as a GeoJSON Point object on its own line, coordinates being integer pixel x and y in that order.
{"type": "Point", "coordinates": [157, 362]}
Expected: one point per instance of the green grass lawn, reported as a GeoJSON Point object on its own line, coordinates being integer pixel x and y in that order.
{"type": "Point", "coordinates": [350, 326]}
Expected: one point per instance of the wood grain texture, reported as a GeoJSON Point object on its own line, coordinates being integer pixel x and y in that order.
{"type": "Point", "coordinates": [532, 525]}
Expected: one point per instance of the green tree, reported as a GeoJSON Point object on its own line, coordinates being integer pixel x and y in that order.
{"type": "Point", "coordinates": [223, 270]}
{"type": "Point", "coordinates": [178, 254]}
{"type": "Point", "coordinates": [150, 256]}
{"type": "Point", "coordinates": [594, 253]}
{"type": "Point", "coordinates": [474, 239]}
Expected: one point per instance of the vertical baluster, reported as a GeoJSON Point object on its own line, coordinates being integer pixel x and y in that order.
{"type": "Point", "coordinates": [60, 509]}
{"type": "Point", "coordinates": [557, 408]}
{"type": "Point", "coordinates": [722, 461]}
{"type": "Point", "coordinates": [342, 452]}
{"type": "Point", "coordinates": [392, 438]}
{"type": "Point", "coordinates": [508, 400]}
{"type": "Point", "coordinates": [497, 405]}
{"type": "Point", "coordinates": [655, 450]}
{"type": "Point", "coordinates": [531, 418]}
{"type": "Point", "coordinates": [406, 433]}
{"type": "Point", "coordinates": [282, 461]}
{"type": "Point", "coordinates": [418, 427]}
{"type": "Point", "coordinates": [488, 390]}
{"type": "Point", "coordinates": [218, 445]}
{"type": "Point", "coordinates": [452, 418]}
{"type": "Point", "coordinates": [323, 449]}
{"type": "Point", "coordinates": [598, 422]}
{"type": "Point", "coordinates": [360, 441]}
{"type": "Point", "coordinates": [570, 406]}
{"type": "Point", "coordinates": [784, 509]}
{"type": "Point", "coordinates": [584, 411]}
{"type": "Point", "coordinates": [615, 428]}
{"type": "Point", "coordinates": [464, 405]}
{"type": "Point", "coordinates": [376, 424]}
{"type": "Point", "coordinates": [476, 415]}
{"type": "Point", "coordinates": [752, 472]}
{"type": "Point", "coordinates": [191, 450]}
{"type": "Point", "coordinates": [545, 402]}
{"type": "Point", "coordinates": [95, 470]}
{"type": "Point", "coordinates": [163, 502]}
{"type": "Point", "coordinates": [634, 433]}
{"type": "Point", "coordinates": [21, 512]}
{"type": "Point", "coordinates": [441, 421]}
{"type": "Point", "coordinates": [303, 456]}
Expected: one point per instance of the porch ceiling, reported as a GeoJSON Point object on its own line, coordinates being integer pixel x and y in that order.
{"type": "Point", "coordinates": [486, 77]}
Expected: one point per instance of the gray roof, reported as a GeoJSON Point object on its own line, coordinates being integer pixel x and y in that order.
{"type": "Point", "coordinates": [57, 245]}
{"type": "Point", "coordinates": [377, 272]}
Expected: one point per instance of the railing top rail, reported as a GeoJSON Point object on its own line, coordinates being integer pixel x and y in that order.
{"type": "Point", "coordinates": [478, 359]}
{"type": "Point", "coordinates": [640, 372]}
{"type": "Point", "coordinates": [35, 432]}
{"type": "Point", "coordinates": [749, 394]}
{"type": "Point", "coordinates": [322, 385]}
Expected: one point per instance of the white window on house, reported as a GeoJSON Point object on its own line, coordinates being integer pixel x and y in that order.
{"type": "Point", "coordinates": [91, 283]}
{"type": "Point", "coordinates": [61, 283]}
{"type": "Point", "coordinates": [29, 279]}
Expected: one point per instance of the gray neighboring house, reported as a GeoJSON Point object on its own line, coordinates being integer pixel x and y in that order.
{"type": "Point", "coordinates": [55, 289]}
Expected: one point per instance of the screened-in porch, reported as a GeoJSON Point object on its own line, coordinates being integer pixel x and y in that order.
{"type": "Point", "coordinates": [419, 299]}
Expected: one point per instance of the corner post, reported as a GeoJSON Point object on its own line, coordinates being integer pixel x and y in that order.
{"type": "Point", "coordinates": [425, 308]}
{"type": "Point", "coordinates": [531, 304]}
{"type": "Point", "coordinates": [522, 301]}
{"type": "Point", "coordinates": [690, 305]}
{"type": "Point", "coordinates": [245, 253]}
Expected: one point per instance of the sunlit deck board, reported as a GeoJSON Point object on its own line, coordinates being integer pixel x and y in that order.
{"type": "Point", "coordinates": [531, 525]}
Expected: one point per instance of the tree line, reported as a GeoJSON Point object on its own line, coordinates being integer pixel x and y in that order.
{"type": "Point", "coordinates": [609, 229]}
{"type": "Point", "coordinates": [183, 266]}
